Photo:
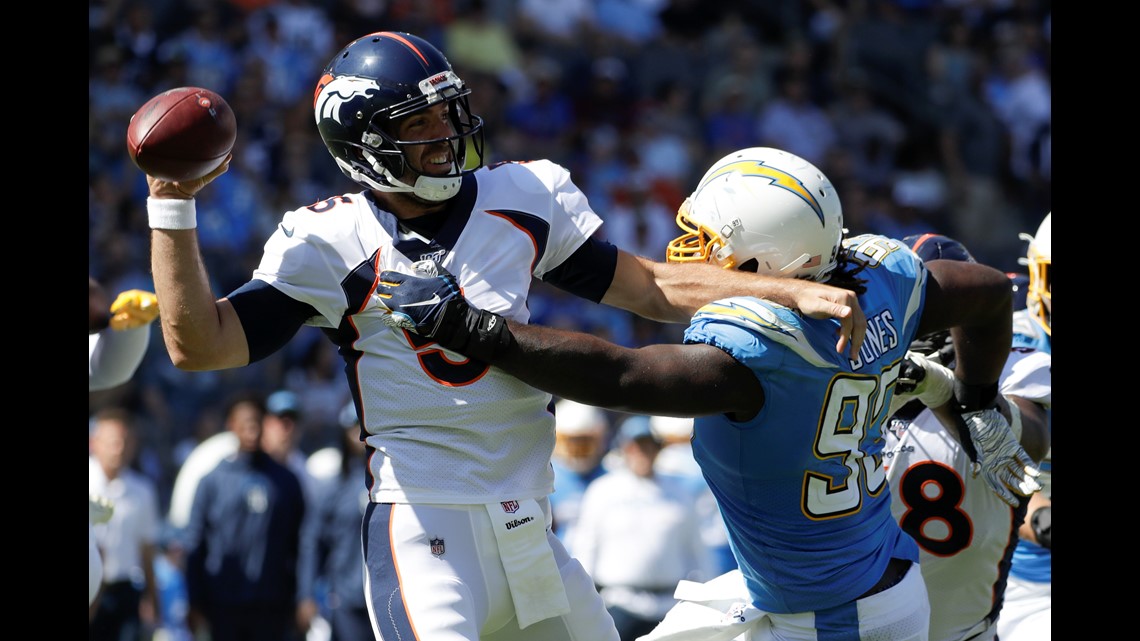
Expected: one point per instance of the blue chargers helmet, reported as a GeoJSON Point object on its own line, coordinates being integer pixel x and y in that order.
{"type": "Point", "coordinates": [368, 87]}
{"type": "Point", "coordinates": [930, 246]}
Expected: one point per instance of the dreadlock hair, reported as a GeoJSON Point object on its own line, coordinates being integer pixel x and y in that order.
{"type": "Point", "coordinates": [845, 272]}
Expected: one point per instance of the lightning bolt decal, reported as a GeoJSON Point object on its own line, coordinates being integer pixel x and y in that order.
{"type": "Point", "coordinates": [758, 316]}
{"type": "Point", "coordinates": [777, 177]}
{"type": "Point", "coordinates": [764, 318]}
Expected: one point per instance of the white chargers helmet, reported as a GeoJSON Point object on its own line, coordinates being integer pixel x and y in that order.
{"type": "Point", "coordinates": [1039, 259]}
{"type": "Point", "coordinates": [580, 435]}
{"type": "Point", "coordinates": [764, 210]}
{"type": "Point", "coordinates": [672, 429]}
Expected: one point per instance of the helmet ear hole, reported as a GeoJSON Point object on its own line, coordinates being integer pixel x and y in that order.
{"type": "Point", "coordinates": [750, 265]}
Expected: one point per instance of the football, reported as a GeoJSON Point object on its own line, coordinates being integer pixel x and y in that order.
{"type": "Point", "coordinates": [181, 134]}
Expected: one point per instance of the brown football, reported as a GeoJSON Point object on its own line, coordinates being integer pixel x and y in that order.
{"type": "Point", "coordinates": [181, 134]}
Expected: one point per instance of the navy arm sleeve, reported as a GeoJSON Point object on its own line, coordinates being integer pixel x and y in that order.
{"type": "Point", "coordinates": [276, 317]}
{"type": "Point", "coordinates": [588, 272]}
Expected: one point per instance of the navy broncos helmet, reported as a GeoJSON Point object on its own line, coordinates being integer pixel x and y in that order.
{"type": "Point", "coordinates": [938, 247]}
{"type": "Point", "coordinates": [372, 83]}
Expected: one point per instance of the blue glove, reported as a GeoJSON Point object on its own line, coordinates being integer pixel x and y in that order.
{"type": "Point", "coordinates": [431, 304]}
{"type": "Point", "coordinates": [422, 303]}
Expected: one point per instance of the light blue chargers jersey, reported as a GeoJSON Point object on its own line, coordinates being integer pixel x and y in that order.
{"type": "Point", "coordinates": [801, 486]}
{"type": "Point", "coordinates": [1031, 561]}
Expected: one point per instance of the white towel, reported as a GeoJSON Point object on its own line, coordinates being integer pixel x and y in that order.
{"type": "Point", "coordinates": [715, 611]}
{"type": "Point", "coordinates": [532, 573]}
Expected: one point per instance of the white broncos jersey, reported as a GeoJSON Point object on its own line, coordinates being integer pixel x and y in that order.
{"type": "Point", "coordinates": [444, 429]}
{"type": "Point", "coordinates": [965, 533]}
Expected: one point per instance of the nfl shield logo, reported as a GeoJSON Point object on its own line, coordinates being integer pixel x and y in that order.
{"type": "Point", "coordinates": [437, 547]}
{"type": "Point", "coordinates": [510, 507]}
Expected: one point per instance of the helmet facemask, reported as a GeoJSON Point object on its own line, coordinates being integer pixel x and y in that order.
{"type": "Point", "coordinates": [698, 244]}
{"type": "Point", "coordinates": [387, 156]}
{"type": "Point", "coordinates": [1039, 299]}
{"type": "Point", "coordinates": [1039, 260]}
{"type": "Point", "coordinates": [358, 112]}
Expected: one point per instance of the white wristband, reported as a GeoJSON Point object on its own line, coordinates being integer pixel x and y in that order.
{"type": "Point", "coordinates": [171, 213]}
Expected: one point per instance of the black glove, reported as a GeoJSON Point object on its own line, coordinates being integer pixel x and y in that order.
{"type": "Point", "coordinates": [921, 379]}
{"type": "Point", "coordinates": [938, 347]}
{"type": "Point", "coordinates": [431, 304]}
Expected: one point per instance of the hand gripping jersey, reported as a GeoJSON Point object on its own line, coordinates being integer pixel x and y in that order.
{"type": "Point", "coordinates": [443, 428]}
{"type": "Point", "coordinates": [802, 486]}
{"type": "Point", "coordinates": [965, 533]}
{"type": "Point", "coordinates": [1032, 562]}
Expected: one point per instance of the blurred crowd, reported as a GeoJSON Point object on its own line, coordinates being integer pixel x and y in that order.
{"type": "Point", "coordinates": [928, 115]}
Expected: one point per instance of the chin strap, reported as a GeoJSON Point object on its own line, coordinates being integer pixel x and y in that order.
{"type": "Point", "coordinates": [427, 187]}
{"type": "Point", "coordinates": [358, 177]}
